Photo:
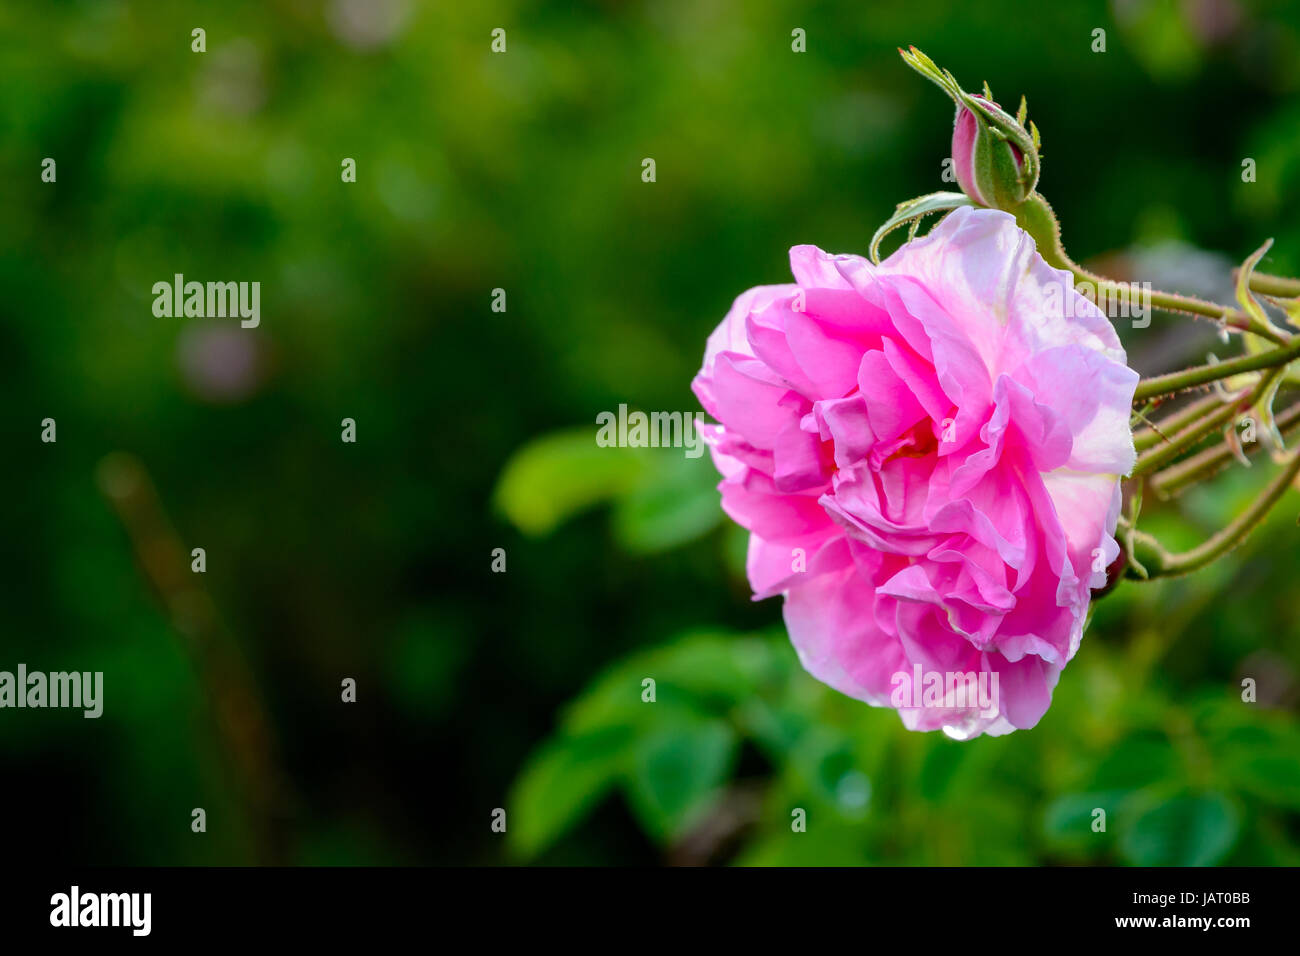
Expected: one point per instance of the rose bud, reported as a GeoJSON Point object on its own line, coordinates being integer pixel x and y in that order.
{"type": "Point", "coordinates": [994, 157]}
{"type": "Point", "coordinates": [994, 167]}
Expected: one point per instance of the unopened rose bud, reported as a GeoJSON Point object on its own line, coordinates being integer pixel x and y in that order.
{"type": "Point", "coordinates": [990, 168]}
{"type": "Point", "coordinates": [994, 156]}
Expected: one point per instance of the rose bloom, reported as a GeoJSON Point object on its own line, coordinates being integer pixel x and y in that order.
{"type": "Point", "coordinates": [927, 455]}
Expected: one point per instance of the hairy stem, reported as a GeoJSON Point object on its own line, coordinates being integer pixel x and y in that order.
{"type": "Point", "coordinates": [1160, 563]}
{"type": "Point", "coordinates": [1194, 433]}
{"type": "Point", "coordinates": [1036, 217]}
{"type": "Point", "coordinates": [1149, 437]}
{"type": "Point", "coordinates": [1279, 287]}
{"type": "Point", "coordinates": [1211, 461]}
{"type": "Point", "coordinates": [1205, 374]}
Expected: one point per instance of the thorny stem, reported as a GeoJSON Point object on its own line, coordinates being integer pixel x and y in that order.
{"type": "Point", "coordinates": [1160, 563]}
{"type": "Point", "coordinates": [1194, 433]}
{"type": "Point", "coordinates": [1148, 437]}
{"type": "Point", "coordinates": [1147, 557]}
{"type": "Point", "coordinates": [1208, 463]}
{"type": "Point", "coordinates": [1205, 374]}
{"type": "Point", "coordinates": [1036, 217]}
{"type": "Point", "coordinates": [1279, 287]}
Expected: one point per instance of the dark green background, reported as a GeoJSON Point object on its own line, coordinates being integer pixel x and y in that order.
{"type": "Point", "coordinates": [522, 171]}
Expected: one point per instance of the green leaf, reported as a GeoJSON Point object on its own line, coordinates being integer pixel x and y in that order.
{"type": "Point", "coordinates": [1290, 307]}
{"type": "Point", "coordinates": [1191, 829]}
{"type": "Point", "coordinates": [940, 766]}
{"type": "Point", "coordinates": [671, 753]}
{"type": "Point", "coordinates": [662, 498]}
{"type": "Point", "coordinates": [1163, 39]}
{"type": "Point", "coordinates": [562, 782]}
{"type": "Point", "coordinates": [1262, 760]}
{"type": "Point", "coordinates": [676, 502]}
{"type": "Point", "coordinates": [1254, 343]}
{"type": "Point", "coordinates": [1273, 777]}
{"type": "Point", "coordinates": [612, 700]}
{"type": "Point", "coordinates": [735, 550]}
{"type": "Point", "coordinates": [676, 772]}
{"type": "Point", "coordinates": [824, 843]}
{"type": "Point", "coordinates": [995, 835]}
{"type": "Point", "coordinates": [1139, 760]}
{"type": "Point", "coordinates": [1245, 298]}
{"type": "Point", "coordinates": [720, 670]}
{"type": "Point", "coordinates": [775, 729]}
{"type": "Point", "coordinates": [697, 673]}
{"type": "Point", "coordinates": [914, 210]}
{"type": "Point", "coordinates": [556, 476]}
{"type": "Point", "coordinates": [825, 762]}
{"type": "Point", "coordinates": [1068, 820]}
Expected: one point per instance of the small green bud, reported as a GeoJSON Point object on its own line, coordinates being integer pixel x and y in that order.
{"type": "Point", "coordinates": [994, 156]}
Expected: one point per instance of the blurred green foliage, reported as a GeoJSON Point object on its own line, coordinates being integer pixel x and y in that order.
{"type": "Point", "coordinates": [1183, 773]}
{"type": "Point", "coordinates": [521, 171]}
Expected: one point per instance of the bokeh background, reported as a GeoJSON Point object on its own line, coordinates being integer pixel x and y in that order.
{"type": "Point", "coordinates": [372, 561]}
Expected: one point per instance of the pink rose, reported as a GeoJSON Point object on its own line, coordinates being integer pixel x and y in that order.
{"type": "Point", "coordinates": [928, 455]}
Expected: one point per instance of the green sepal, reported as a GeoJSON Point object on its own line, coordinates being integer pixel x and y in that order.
{"type": "Point", "coordinates": [913, 211]}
